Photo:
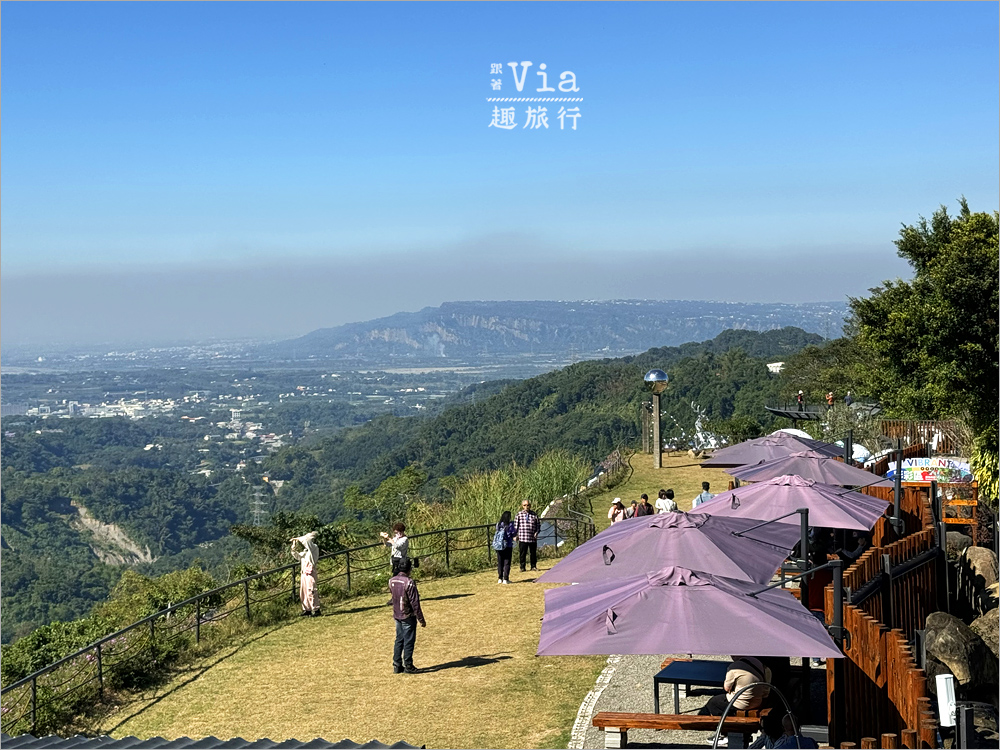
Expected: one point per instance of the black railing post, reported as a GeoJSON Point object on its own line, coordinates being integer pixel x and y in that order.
{"type": "Point", "coordinates": [347, 559]}
{"type": "Point", "coordinates": [943, 572]}
{"type": "Point", "coordinates": [489, 545]}
{"type": "Point", "coordinates": [897, 490]}
{"type": "Point", "coordinates": [246, 597]}
{"type": "Point", "coordinates": [887, 617]}
{"type": "Point", "coordinates": [576, 532]}
{"type": "Point", "coordinates": [34, 704]}
{"type": "Point", "coordinates": [152, 632]}
{"type": "Point", "coordinates": [555, 527]}
{"type": "Point", "coordinates": [100, 672]}
{"type": "Point", "coordinates": [447, 553]}
{"type": "Point", "coordinates": [197, 621]}
{"type": "Point", "coordinates": [804, 554]}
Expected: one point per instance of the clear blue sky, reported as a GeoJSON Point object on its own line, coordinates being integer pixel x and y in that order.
{"type": "Point", "coordinates": [297, 151]}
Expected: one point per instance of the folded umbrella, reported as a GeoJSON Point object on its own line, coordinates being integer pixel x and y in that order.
{"type": "Point", "coordinates": [810, 465]}
{"type": "Point", "coordinates": [709, 543]}
{"type": "Point", "coordinates": [676, 610]}
{"type": "Point", "coordinates": [829, 506]}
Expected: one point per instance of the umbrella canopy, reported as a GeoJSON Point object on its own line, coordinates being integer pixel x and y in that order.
{"type": "Point", "coordinates": [690, 540]}
{"type": "Point", "coordinates": [675, 610]}
{"type": "Point", "coordinates": [766, 448]}
{"type": "Point", "coordinates": [829, 506]}
{"type": "Point", "coordinates": [810, 465]}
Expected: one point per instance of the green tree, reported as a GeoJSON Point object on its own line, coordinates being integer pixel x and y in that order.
{"type": "Point", "coordinates": [934, 338]}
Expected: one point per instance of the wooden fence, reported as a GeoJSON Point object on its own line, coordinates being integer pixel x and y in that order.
{"type": "Point", "coordinates": [914, 509]}
{"type": "Point", "coordinates": [912, 431]}
{"type": "Point", "coordinates": [877, 690]}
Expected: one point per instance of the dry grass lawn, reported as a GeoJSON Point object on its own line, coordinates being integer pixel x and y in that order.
{"type": "Point", "coordinates": [332, 677]}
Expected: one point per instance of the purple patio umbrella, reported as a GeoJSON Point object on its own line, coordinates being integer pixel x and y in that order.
{"type": "Point", "coordinates": [676, 610]}
{"type": "Point", "coordinates": [691, 540]}
{"type": "Point", "coordinates": [771, 446]}
{"type": "Point", "coordinates": [810, 465]}
{"type": "Point", "coordinates": [829, 506]}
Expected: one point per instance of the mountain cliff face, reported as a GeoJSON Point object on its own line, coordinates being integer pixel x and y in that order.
{"type": "Point", "coordinates": [477, 331]}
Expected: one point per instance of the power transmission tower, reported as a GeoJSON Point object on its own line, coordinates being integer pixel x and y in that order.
{"type": "Point", "coordinates": [257, 507]}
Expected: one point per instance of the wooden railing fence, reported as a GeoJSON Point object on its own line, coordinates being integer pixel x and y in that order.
{"type": "Point", "coordinates": [912, 431]}
{"type": "Point", "coordinates": [878, 690]}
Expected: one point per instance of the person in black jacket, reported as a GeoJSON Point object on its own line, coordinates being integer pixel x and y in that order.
{"type": "Point", "coordinates": [407, 613]}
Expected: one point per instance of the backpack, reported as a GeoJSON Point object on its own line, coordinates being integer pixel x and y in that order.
{"type": "Point", "coordinates": [499, 539]}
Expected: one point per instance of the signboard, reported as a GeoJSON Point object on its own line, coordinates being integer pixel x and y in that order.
{"type": "Point", "coordinates": [941, 470]}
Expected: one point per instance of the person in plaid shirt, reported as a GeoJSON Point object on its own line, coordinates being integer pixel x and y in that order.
{"type": "Point", "coordinates": [527, 526]}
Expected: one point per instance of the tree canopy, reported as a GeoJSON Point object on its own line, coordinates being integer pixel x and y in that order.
{"type": "Point", "coordinates": [935, 337]}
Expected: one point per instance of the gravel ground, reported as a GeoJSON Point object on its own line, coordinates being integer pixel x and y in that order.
{"type": "Point", "coordinates": [631, 689]}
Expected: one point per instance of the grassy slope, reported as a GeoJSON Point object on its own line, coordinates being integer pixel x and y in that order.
{"type": "Point", "coordinates": [331, 677]}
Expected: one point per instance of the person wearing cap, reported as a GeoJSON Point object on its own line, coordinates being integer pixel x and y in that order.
{"type": "Point", "coordinates": [407, 613]}
{"type": "Point", "coordinates": [801, 400]}
{"type": "Point", "coordinates": [527, 526]}
{"type": "Point", "coordinates": [616, 512]}
{"type": "Point", "coordinates": [308, 556]}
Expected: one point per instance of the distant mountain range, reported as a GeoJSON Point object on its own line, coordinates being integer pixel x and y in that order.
{"type": "Point", "coordinates": [484, 331]}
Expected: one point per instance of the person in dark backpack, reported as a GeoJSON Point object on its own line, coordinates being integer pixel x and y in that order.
{"type": "Point", "coordinates": [503, 545]}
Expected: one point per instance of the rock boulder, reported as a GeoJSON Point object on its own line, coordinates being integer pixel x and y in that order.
{"type": "Point", "coordinates": [977, 579]}
{"type": "Point", "coordinates": [961, 651]}
{"type": "Point", "coordinates": [987, 627]}
{"type": "Point", "coordinates": [956, 543]}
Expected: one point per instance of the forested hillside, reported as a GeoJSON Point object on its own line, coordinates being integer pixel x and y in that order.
{"type": "Point", "coordinates": [90, 498]}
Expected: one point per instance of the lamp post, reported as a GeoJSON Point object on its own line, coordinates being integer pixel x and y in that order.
{"type": "Point", "coordinates": [656, 381]}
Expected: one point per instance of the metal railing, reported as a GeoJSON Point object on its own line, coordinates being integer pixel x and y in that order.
{"type": "Point", "coordinates": [140, 650]}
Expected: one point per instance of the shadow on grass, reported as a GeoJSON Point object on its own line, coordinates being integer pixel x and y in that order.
{"type": "Point", "coordinates": [467, 661]}
{"type": "Point", "coordinates": [444, 596]}
{"type": "Point", "coordinates": [193, 673]}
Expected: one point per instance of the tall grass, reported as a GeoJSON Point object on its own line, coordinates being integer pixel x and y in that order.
{"type": "Point", "coordinates": [482, 497]}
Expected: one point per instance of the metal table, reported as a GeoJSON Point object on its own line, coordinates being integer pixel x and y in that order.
{"type": "Point", "coordinates": [695, 672]}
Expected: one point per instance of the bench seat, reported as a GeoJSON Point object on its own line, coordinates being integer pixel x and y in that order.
{"type": "Point", "coordinates": [616, 725]}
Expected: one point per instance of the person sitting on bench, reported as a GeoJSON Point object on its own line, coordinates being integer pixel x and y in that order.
{"type": "Point", "coordinates": [743, 671]}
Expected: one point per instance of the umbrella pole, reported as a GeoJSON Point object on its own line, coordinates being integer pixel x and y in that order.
{"type": "Point", "coordinates": [804, 553]}
{"type": "Point", "coordinates": [897, 490]}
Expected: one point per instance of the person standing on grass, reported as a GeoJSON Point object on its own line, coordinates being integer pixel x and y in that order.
{"type": "Point", "coordinates": [407, 613]}
{"type": "Point", "coordinates": [644, 508]}
{"type": "Point", "coordinates": [527, 526]}
{"type": "Point", "coordinates": [399, 544]}
{"type": "Point", "coordinates": [616, 512]}
{"type": "Point", "coordinates": [665, 502]}
{"type": "Point", "coordinates": [704, 497]}
{"type": "Point", "coordinates": [503, 544]}
{"type": "Point", "coordinates": [308, 556]}
{"type": "Point", "coordinates": [630, 512]}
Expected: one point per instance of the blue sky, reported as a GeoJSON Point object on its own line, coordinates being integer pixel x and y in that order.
{"type": "Point", "coordinates": [342, 153]}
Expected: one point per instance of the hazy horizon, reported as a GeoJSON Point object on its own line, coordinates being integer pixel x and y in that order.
{"type": "Point", "coordinates": [191, 171]}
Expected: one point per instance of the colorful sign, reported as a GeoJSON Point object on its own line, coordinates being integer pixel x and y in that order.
{"type": "Point", "coordinates": [941, 470]}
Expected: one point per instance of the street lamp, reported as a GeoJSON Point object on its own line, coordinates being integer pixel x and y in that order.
{"type": "Point", "coordinates": [656, 382]}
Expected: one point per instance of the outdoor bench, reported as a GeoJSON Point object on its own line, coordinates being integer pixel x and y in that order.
{"type": "Point", "coordinates": [738, 725]}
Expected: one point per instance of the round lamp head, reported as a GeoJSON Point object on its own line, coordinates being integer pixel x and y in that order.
{"type": "Point", "coordinates": [656, 381]}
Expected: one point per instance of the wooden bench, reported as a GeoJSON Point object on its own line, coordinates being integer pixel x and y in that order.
{"type": "Point", "coordinates": [616, 725]}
